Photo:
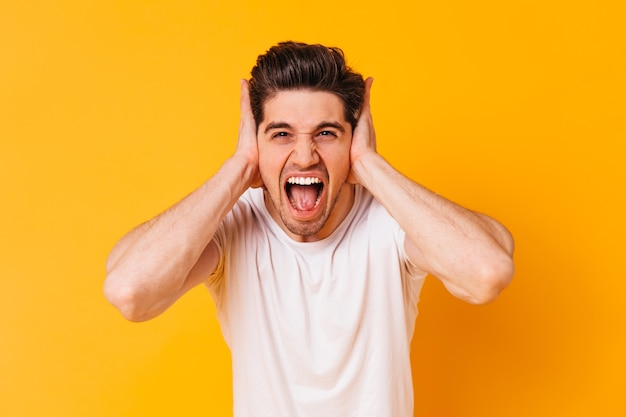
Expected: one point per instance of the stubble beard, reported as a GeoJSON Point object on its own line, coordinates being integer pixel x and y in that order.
{"type": "Point", "coordinates": [306, 228]}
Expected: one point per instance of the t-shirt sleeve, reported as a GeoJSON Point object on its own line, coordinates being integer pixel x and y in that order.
{"type": "Point", "coordinates": [215, 281]}
{"type": "Point", "coordinates": [217, 275]}
{"type": "Point", "coordinates": [412, 277]}
{"type": "Point", "coordinates": [224, 236]}
{"type": "Point", "coordinates": [413, 271]}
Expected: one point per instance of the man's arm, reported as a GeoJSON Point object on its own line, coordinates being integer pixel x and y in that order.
{"type": "Point", "coordinates": [469, 252]}
{"type": "Point", "coordinates": [160, 260]}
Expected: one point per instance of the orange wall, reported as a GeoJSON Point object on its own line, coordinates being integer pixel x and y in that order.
{"type": "Point", "coordinates": [111, 112]}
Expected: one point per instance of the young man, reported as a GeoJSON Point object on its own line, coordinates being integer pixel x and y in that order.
{"type": "Point", "coordinates": [313, 247]}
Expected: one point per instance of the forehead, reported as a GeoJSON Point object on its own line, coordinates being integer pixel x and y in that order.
{"type": "Point", "coordinates": [303, 108]}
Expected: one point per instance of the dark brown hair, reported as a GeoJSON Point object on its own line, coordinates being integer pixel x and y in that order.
{"type": "Point", "coordinates": [294, 65]}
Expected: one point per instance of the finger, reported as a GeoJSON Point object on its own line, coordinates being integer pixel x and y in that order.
{"type": "Point", "coordinates": [366, 98]}
{"type": "Point", "coordinates": [365, 114]}
{"type": "Point", "coordinates": [246, 115]}
{"type": "Point", "coordinates": [365, 121]}
{"type": "Point", "coordinates": [244, 101]}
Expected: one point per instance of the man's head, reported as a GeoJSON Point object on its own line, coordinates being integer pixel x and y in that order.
{"type": "Point", "coordinates": [306, 103]}
{"type": "Point", "coordinates": [300, 66]}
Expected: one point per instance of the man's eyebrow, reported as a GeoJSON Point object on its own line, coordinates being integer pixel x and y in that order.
{"type": "Point", "coordinates": [277, 125]}
{"type": "Point", "coordinates": [335, 125]}
{"type": "Point", "coordinates": [322, 125]}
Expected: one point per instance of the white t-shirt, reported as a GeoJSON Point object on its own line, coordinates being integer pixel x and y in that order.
{"type": "Point", "coordinates": [317, 328]}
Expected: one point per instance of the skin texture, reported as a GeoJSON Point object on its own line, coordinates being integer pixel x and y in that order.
{"type": "Point", "coordinates": [157, 262]}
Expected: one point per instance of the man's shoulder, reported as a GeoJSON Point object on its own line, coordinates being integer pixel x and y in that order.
{"type": "Point", "coordinates": [248, 212]}
{"type": "Point", "coordinates": [367, 206]}
{"type": "Point", "coordinates": [252, 196]}
{"type": "Point", "coordinates": [250, 202]}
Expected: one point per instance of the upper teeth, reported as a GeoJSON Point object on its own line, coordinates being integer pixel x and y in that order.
{"type": "Point", "coordinates": [303, 180]}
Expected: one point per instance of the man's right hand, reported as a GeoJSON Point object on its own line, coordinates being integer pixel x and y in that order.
{"type": "Point", "coordinates": [247, 146]}
{"type": "Point", "coordinates": [157, 262]}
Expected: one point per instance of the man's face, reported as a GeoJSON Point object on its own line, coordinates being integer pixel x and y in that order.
{"type": "Point", "coordinates": [304, 159]}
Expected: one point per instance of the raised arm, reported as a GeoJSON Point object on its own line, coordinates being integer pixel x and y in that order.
{"type": "Point", "coordinates": [469, 252]}
{"type": "Point", "coordinates": [158, 261]}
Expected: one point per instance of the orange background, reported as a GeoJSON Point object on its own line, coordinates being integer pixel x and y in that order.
{"type": "Point", "coordinates": [111, 111]}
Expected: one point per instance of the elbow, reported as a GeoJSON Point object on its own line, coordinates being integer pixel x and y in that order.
{"type": "Point", "coordinates": [494, 277]}
{"type": "Point", "coordinates": [126, 299]}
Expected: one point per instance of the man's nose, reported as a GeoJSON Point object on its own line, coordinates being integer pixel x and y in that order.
{"type": "Point", "coordinates": [304, 153]}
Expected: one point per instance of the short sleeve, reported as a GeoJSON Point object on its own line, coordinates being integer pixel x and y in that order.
{"type": "Point", "coordinates": [214, 282]}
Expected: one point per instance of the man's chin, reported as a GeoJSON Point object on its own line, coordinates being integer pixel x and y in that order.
{"type": "Point", "coordinates": [304, 229]}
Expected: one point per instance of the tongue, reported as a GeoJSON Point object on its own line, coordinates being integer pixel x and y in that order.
{"type": "Point", "coordinates": [303, 197]}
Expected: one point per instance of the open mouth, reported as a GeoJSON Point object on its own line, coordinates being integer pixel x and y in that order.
{"type": "Point", "coordinates": [304, 193]}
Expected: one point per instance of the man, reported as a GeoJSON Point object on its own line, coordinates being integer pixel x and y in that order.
{"type": "Point", "coordinates": [313, 247]}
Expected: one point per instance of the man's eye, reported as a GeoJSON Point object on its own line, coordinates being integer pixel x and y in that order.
{"type": "Point", "coordinates": [280, 135]}
{"type": "Point", "coordinates": [327, 133]}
